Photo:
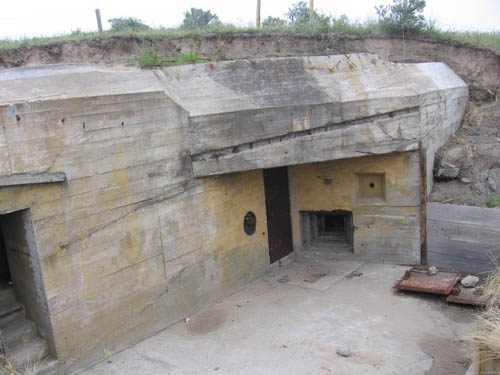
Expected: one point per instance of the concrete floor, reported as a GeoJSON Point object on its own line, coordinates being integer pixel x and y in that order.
{"type": "Point", "coordinates": [292, 321]}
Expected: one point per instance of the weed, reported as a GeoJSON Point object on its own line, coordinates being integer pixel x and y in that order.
{"type": "Point", "coordinates": [188, 58]}
{"type": "Point", "coordinates": [32, 367]}
{"type": "Point", "coordinates": [150, 59]}
{"type": "Point", "coordinates": [493, 201]}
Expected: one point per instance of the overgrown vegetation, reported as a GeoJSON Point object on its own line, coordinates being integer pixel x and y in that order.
{"type": "Point", "coordinates": [493, 202]}
{"type": "Point", "coordinates": [198, 22]}
{"type": "Point", "coordinates": [197, 19]}
{"type": "Point", "coordinates": [487, 335]}
{"type": "Point", "coordinates": [403, 16]}
{"type": "Point", "coordinates": [150, 59]}
{"type": "Point", "coordinates": [130, 24]}
{"type": "Point", "coordinates": [31, 368]}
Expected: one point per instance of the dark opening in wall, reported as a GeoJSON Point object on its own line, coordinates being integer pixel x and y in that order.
{"type": "Point", "coordinates": [328, 230]}
{"type": "Point", "coordinates": [249, 223]}
{"type": "Point", "coordinates": [5, 277]}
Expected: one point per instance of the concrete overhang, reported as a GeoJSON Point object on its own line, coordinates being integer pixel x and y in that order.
{"type": "Point", "coordinates": [252, 114]}
{"type": "Point", "coordinates": [270, 112]}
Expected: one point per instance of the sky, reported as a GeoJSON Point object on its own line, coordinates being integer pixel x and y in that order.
{"type": "Point", "coordinates": [27, 18]}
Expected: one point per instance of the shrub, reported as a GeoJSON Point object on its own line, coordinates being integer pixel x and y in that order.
{"type": "Point", "coordinates": [403, 16]}
{"type": "Point", "coordinates": [149, 59]}
{"type": "Point", "coordinates": [273, 23]}
{"type": "Point", "coordinates": [299, 14]}
{"type": "Point", "coordinates": [127, 24]}
{"type": "Point", "coordinates": [493, 202]}
{"type": "Point", "coordinates": [198, 19]}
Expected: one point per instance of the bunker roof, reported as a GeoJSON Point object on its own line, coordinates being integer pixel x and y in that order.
{"type": "Point", "coordinates": [241, 85]}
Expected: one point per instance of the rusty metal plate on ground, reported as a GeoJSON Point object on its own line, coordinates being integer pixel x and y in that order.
{"type": "Point", "coordinates": [416, 280]}
{"type": "Point", "coordinates": [466, 296]}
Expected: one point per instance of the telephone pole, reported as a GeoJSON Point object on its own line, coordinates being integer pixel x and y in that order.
{"type": "Point", "coordinates": [257, 20]}
{"type": "Point", "coordinates": [99, 23]}
{"type": "Point", "coordinates": [311, 10]}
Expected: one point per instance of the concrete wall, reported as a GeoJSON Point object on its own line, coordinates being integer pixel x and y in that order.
{"type": "Point", "coordinates": [384, 230]}
{"type": "Point", "coordinates": [463, 238]}
{"type": "Point", "coordinates": [131, 242]}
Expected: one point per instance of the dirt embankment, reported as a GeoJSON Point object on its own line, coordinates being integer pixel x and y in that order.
{"type": "Point", "coordinates": [469, 165]}
{"type": "Point", "coordinates": [480, 68]}
{"type": "Point", "coordinates": [467, 168]}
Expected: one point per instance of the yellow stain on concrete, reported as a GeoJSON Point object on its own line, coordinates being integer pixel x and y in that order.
{"type": "Point", "coordinates": [332, 185]}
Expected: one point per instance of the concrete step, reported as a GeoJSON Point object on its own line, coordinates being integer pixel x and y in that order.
{"type": "Point", "coordinates": [28, 355]}
{"type": "Point", "coordinates": [11, 317]}
{"type": "Point", "coordinates": [8, 304]}
{"type": "Point", "coordinates": [18, 331]}
{"type": "Point", "coordinates": [49, 366]}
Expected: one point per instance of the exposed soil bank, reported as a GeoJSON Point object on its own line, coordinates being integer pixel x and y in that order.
{"type": "Point", "coordinates": [479, 67]}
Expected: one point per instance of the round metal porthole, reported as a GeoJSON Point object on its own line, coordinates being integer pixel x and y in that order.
{"type": "Point", "coordinates": [249, 223]}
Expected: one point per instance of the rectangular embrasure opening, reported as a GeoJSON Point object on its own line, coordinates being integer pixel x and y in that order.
{"type": "Point", "coordinates": [327, 230]}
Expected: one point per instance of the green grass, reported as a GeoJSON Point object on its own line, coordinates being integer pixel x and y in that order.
{"type": "Point", "coordinates": [481, 39]}
{"type": "Point", "coordinates": [150, 59]}
{"type": "Point", "coordinates": [493, 202]}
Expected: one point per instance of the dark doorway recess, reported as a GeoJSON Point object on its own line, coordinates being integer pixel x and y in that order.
{"type": "Point", "coordinates": [279, 222]}
{"type": "Point", "coordinates": [5, 277]}
{"type": "Point", "coordinates": [332, 230]}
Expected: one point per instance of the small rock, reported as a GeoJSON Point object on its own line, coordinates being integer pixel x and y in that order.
{"type": "Point", "coordinates": [186, 320]}
{"type": "Point", "coordinates": [492, 184]}
{"type": "Point", "coordinates": [284, 347]}
{"type": "Point", "coordinates": [469, 281]}
{"type": "Point", "coordinates": [449, 172]}
{"type": "Point", "coordinates": [478, 188]}
{"type": "Point", "coordinates": [285, 279]}
{"type": "Point", "coordinates": [217, 368]}
{"type": "Point", "coordinates": [239, 305]}
{"type": "Point", "coordinates": [431, 271]}
{"type": "Point", "coordinates": [354, 274]}
{"type": "Point", "coordinates": [344, 351]}
{"type": "Point", "coordinates": [465, 180]}
{"type": "Point", "coordinates": [483, 176]}
{"type": "Point", "coordinates": [494, 179]}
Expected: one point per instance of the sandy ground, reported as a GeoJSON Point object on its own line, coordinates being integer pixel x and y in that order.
{"type": "Point", "coordinates": [292, 320]}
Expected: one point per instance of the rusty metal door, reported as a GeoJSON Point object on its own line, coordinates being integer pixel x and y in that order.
{"type": "Point", "coordinates": [279, 223]}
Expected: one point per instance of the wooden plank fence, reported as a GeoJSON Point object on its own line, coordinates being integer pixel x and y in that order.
{"type": "Point", "coordinates": [463, 238]}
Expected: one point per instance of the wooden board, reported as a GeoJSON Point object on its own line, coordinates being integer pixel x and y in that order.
{"type": "Point", "coordinates": [416, 280]}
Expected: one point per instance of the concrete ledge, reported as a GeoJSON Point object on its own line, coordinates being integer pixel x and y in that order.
{"type": "Point", "coordinates": [32, 178]}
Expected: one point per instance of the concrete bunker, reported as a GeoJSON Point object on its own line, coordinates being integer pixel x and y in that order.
{"type": "Point", "coordinates": [141, 185]}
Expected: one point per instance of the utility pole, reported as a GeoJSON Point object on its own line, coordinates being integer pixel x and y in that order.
{"type": "Point", "coordinates": [311, 10]}
{"type": "Point", "coordinates": [257, 20]}
{"type": "Point", "coordinates": [405, 3]}
{"type": "Point", "coordinates": [99, 23]}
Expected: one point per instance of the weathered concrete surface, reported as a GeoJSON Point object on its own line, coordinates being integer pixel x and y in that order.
{"type": "Point", "coordinates": [273, 112]}
{"type": "Point", "coordinates": [463, 238]}
{"type": "Point", "coordinates": [131, 241]}
{"type": "Point", "coordinates": [281, 324]}
{"type": "Point", "coordinates": [387, 229]}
